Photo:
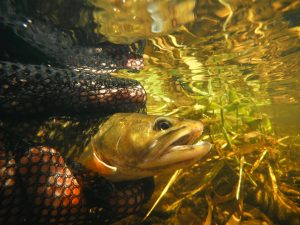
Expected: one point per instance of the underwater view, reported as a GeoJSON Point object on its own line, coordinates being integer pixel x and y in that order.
{"type": "Point", "coordinates": [231, 65]}
{"type": "Point", "coordinates": [236, 67]}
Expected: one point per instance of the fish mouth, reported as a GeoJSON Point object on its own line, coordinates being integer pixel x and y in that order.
{"type": "Point", "coordinates": [180, 150]}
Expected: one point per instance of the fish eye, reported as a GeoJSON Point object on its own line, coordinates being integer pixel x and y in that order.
{"type": "Point", "coordinates": [162, 124]}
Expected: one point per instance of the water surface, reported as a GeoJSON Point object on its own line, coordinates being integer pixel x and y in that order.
{"type": "Point", "coordinates": [237, 68]}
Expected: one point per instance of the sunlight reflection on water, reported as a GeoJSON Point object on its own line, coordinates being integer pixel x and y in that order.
{"type": "Point", "coordinates": [237, 64]}
{"type": "Point", "coordinates": [258, 54]}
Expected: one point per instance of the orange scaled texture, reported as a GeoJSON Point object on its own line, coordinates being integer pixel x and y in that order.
{"type": "Point", "coordinates": [38, 187]}
{"type": "Point", "coordinates": [45, 182]}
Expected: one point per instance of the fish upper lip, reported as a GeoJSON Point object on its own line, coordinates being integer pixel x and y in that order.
{"type": "Point", "coordinates": [186, 138]}
{"type": "Point", "coordinates": [159, 146]}
{"type": "Point", "coordinates": [183, 139]}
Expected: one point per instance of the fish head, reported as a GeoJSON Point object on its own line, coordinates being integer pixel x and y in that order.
{"type": "Point", "coordinates": [133, 145]}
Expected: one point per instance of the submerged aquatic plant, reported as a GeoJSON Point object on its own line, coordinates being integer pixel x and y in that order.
{"type": "Point", "coordinates": [250, 177]}
{"type": "Point", "coordinates": [245, 180]}
{"type": "Point", "coordinates": [224, 69]}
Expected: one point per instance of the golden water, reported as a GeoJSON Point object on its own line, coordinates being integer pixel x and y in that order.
{"type": "Point", "coordinates": [237, 68]}
{"type": "Point", "coordinates": [233, 64]}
